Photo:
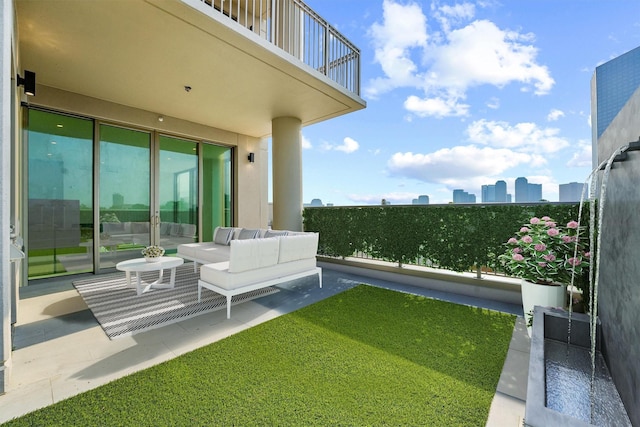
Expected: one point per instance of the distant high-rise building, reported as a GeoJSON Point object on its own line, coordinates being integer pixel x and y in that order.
{"type": "Point", "coordinates": [494, 193]}
{"type": "Point", "coordinates": [461, 196]}
{"type": "Point", "coordinates": [501, 191]}
{"type": "Point", "coordinates": [488, 194]}
{"type": "Point", "coordinates": [535, 192]}
{"type": "Point", "coordinates": [118, 200]}
{"type": "Point", "coordinates": [616, 81]}
{"type": "Point", "coordinates": [526, 192]}
{"type": "Point", "coordinates": [421, 200]}
{"type": "Point", "coordinates": [522, 190]}
{"type": "Point", "coordinates": [573, 191]}
{"type": "Point", "coordinates": [316, 202]}
{"type": "Point", "coordinates": [509, 198]}
{"type": "Point", "coordinates": [612, 85]}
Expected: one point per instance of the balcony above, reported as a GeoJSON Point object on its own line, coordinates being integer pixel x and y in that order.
{"type": "Point", "coordinates": [245, 61]}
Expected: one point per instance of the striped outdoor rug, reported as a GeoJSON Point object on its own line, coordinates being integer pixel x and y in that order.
{"type": "Point", "coordinates": [121, 312]}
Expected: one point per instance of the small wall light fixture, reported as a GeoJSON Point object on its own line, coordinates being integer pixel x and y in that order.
{"type": "Point", "coordinates": [29, 82]}
{"type": "Point", "coordinates": [252, 157]}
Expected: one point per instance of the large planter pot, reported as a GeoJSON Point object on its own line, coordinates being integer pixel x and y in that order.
{"type": "Point", "coordinates": [551, 295]}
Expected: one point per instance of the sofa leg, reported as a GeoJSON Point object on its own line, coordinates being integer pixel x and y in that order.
{"type": "Point", "coordinates": [228, 306]}
{"type": "Point", "coordinates": [320, 277]}
{"type": "Point", "coordinates": [199, 291]}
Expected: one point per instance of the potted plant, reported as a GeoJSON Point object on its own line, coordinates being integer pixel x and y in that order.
{"type": "Point", "coordinates": [545, 256]}
{"type": "Point", "coordinates": [152, 253]}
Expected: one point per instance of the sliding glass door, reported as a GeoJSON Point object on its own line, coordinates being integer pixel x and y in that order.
{"type": "Point", "coordinates": [60, 194]}
{"type": "Point", "coordinates": [125, 189]}
{"type": "Point", "coordinates": [98, 193]}
{"type": "Point", "coordinates": [177, 193]}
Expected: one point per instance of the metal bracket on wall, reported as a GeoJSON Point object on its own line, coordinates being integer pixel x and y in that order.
{"type": "Point", "coordinates": [632, 146]}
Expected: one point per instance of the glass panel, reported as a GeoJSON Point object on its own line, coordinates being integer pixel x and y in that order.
{"type": "Point", "coordinates": [60, 191]}
{"type": "Point", "coordinates": [178, 193]}
{"type": "Point", "coordinates": [125, 176]}
{"type": "Point", "coordinates": [216, 198]}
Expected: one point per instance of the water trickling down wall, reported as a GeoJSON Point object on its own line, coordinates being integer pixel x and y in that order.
{"type": "Point", "coordinates": [619, 291]}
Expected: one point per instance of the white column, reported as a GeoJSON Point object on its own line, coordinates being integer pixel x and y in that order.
{"type": "Point", "coordinates": [287, 173]}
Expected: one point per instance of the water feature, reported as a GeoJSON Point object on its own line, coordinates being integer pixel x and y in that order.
{"type": "Point", "coordinates": [559, 384]}
{"type": "Point", "coordinates": [570, 385]}
{"type": "Point", "coordinates": [569, 382]}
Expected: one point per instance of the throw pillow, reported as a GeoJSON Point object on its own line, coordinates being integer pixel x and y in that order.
{"type": "Point", "coordinates": [247, 233]}
{"type": "Point", "coordinates": [271, 233]}
{"type": "Point", "coordinates": [223, 236]}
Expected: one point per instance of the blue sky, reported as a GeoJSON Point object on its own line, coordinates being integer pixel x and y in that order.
{"type": "Point", "coordinates": [461, 94]}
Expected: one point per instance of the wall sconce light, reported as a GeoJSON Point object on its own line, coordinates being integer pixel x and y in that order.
{"type": "Point", "coordinates": [29, 82]}
{"type": "Point", "coordinates": [252, 157]}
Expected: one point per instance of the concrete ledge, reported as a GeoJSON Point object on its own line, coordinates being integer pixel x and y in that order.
{"type": "Point", "coordinates": [502, 289]}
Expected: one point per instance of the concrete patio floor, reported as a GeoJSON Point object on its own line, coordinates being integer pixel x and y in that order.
{"type": "Point", "coordinates": [60, 350]}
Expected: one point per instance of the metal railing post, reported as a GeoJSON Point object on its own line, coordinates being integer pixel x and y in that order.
{"type": "Point", "coordinates": [325, 48]}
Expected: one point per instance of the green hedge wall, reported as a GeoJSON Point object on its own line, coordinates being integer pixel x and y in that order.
{"type": "Point", "coordinates": [453, 237]}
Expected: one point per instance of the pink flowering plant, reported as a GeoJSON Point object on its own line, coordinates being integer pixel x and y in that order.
{"type": "Point", "coordinates": [544, 252]}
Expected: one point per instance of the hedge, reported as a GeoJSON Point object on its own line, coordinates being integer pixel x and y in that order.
{"type": "Point", "coordinates": [453, 237]}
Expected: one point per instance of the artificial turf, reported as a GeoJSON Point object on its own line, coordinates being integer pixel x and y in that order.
{"type": "Point", "coordinates": [367, 356]}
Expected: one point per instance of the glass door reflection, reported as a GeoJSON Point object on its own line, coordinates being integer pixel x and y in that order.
{"type": "Point", "coordinates": [177, 193]}
{"type": "Point", "coordinates": [125, 188]}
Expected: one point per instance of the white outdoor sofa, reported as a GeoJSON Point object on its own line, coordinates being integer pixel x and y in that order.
{"type": "Point", "coordinates": [250, 263]}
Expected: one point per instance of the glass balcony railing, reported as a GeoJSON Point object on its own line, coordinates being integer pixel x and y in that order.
{"type": "Point", "coordinates": [295, 28]}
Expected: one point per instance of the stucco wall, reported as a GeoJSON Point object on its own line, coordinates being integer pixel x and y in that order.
{"type": "Point", "coordinates": [619, 290]}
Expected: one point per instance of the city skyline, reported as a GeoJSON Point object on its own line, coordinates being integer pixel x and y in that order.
{"type": "Point", "coordinates": [569, 192]}
{"type": "Point", "coordinates": [439, 119]}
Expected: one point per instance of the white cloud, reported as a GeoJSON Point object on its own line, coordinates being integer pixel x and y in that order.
{"type": "Point", "coordinates": [376, 199]}
{"type": "Point", "coordinates": [448, 15]}
{"type": "Point", "coordinates": [436, 107]}
{"type": "Point", "coordinates": [555, 115]}
{"type": "Point", "coordinates": [525, 137]}
{"type": "Point", "coordinates": [458, 163]}
{"type": "Point", "coordinates": [404, 27]}
{"type": "Point", "coordinates": [493, 103]}
{"type": "Point", "coordinates": [481, 53]}
{"type": "Point", "coordinates": [445, 64]}
{"type": "Point", "coordinates": [306, 144]}
{"type": "Point", "coordinates": [349, 145]}
{"type": "Point", "coordinates": [582, 156]}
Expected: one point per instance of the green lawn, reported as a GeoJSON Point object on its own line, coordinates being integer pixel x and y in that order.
{"type": "Point", "coordinates": [367, 356]}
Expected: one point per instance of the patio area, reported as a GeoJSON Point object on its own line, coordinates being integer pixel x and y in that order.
{"type": "Point", "coordinates": [60, 349]}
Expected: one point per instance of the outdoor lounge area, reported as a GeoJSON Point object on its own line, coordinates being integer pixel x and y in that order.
{"type": "Point", "coordinates": [60, 349]}
{"type": "Point", "coordinates": [143, 127]}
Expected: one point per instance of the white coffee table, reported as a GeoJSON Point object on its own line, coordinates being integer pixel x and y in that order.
{"type": "Point", "coordinates": [140, 265]}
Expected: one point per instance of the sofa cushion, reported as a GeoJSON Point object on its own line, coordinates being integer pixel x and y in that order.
{"type": "Point", "coordinates": [190, 249]}
{"type": "Point", "coordinates": [139, 227]}
{"type": "Point", "coordinates": [293, 248]}
{"type": "Point", "coordinates": [189, 230]}
{"type": "Point", "coordinates": [116, 228]}
{"type": "Point", "coordinates": [204, 252]}
{"type": "Point", "coordinates": [176, 230]}
{"type": "Point", "coordinates": [219, 275]}
{"type": "Point", "coordinates": [250, 254]}
{"type": "Point", "coordinates": [213, 253]}
{"type": "Point", "coordinates": [223, 235]}
{"type": "Point", "coordinates": [247, 233]}
{"type": "Point", "coordinates": [275, 233]}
